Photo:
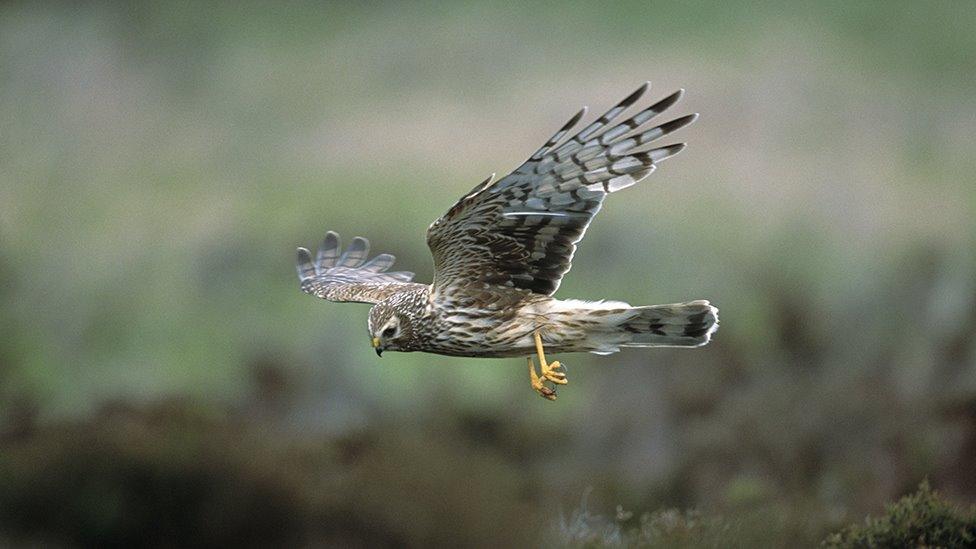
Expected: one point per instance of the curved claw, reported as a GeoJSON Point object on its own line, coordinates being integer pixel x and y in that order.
{"type": "Point", "coordinates": [538, 383]}
{"type": "Point", "coordinates": [553, 375]}
{"type": "Point", "coordinates": [546, 393]}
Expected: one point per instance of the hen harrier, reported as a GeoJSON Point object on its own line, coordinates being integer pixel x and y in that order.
{"type": "Point", "coordinates": [501, 251]}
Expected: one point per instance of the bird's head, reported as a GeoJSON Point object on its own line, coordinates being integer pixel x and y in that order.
{"type": "Point", "coordinates": [388, 329]}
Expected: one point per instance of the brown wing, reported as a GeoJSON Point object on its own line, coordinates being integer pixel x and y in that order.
{"type": "Point", "coordinates": [349, 277]}
{"type": "Point", "coordinates": [522, 231]}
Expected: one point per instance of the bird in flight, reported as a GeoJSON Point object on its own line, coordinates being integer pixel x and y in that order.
{"type": "Point", "coordinates": [501, 251]}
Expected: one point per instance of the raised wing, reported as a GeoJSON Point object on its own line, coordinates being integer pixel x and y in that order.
{"type": "Point", "coordinates": [522, 231]}
{"type": "Point", "coordinates": [349, 277]}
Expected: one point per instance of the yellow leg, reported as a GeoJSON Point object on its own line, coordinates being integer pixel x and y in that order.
{"type": "Point", "coordinates": [548, 371]}
{"type": "Point", "coordinates": [538, 385]}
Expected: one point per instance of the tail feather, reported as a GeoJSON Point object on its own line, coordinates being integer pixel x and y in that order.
{"type": "Point", "coordinates": [676, 325]}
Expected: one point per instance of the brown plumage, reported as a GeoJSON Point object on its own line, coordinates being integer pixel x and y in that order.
{"type": "Point", "coordinates": [501, 251]}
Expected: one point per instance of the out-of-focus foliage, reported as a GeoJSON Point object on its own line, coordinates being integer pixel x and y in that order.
{"type": "Point", "coordinates": [161, 162]}
{"type": "Point", "coordinates": [189, 476]}
{"type": "Point", "coordinates": [666, 528]}
{"type": "Point", "coordinates": [922, 519]}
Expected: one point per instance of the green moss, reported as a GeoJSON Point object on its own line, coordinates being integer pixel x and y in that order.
{"type": "Point", "coordinates": [922, 519]}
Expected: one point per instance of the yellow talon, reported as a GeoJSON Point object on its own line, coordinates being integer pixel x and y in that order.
{"type": "Point", "coordinates": [552, 375]}
{"type": "Point", "coordinates": [549, 372]}
{"type": "Point", "coordinates": [538, 385]}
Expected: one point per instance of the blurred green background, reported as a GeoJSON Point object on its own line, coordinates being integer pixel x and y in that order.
{"type": "Point", "coordinates": [162, 375]}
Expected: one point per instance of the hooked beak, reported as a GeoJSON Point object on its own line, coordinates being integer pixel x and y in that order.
{"type": "Point", "coordinates": [376, 345]}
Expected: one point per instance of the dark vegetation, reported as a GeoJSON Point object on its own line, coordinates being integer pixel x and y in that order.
{"type": "Point", "coordinates": [183, 475]}
{"type": "Point", "coordinates": [187, 474]}
{"type": "Point", "coordinates": [922, 519]}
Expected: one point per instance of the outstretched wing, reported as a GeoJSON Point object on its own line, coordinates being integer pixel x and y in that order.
{"type": "Point", "coordinates": [348, 277]}
{"type": "Point", "coordinates": [522, 231]}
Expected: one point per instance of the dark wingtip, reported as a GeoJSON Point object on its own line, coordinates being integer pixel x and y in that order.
{"type": "Point", "coordinates": [678, 123]}
{"type": "Point", "coordinates": [576, 118]}
{"type": "Point", "coordinates": [663, 153]}
{"type": "Point", "coordinates": [303, 263]}
{"type": "Point", "coordinates": [668, 101]}
{"type": "Point", "coordinates": [635, 95]}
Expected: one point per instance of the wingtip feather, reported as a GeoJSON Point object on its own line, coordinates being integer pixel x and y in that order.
{"type": "Point", "coordinates": [635, 95]}
{"type": "Point", "coordinates": [328, 252]}
{"type": "Point", "coordinates": [663, 153]}
{"type": "Point", "coordinates": [303, 263]}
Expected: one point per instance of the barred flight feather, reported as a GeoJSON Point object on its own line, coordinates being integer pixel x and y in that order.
{"type": "Point", "coordinates": [522, 230]}
{"type": "Point", "coordinates": [348, 276]}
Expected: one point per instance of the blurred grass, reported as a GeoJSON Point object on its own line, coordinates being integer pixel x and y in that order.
{"type": "Point", "coordinates": [162, 161]}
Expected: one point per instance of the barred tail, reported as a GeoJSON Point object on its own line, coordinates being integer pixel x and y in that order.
{"type": "Point", "coordinates": [676, 325]}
